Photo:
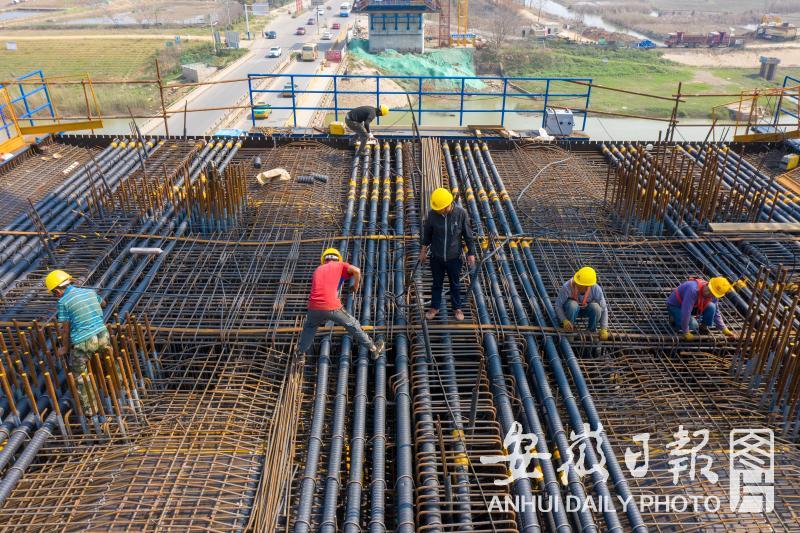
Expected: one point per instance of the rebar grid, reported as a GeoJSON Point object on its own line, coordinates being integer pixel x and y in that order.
{"type": "Point", "coordinates": [229, 304]}
{"type": "Point", "coordinates": [49, 164]}
{"type": "Point", "coordinates": [695, 389]}
{"type": "Point", "coordinates": [636, 278]}
{"type": "Point", "coordinates": [192, 463]}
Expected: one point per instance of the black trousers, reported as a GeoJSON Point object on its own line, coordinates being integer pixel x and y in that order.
{"type": "Point", "coordinates": [440, 267]}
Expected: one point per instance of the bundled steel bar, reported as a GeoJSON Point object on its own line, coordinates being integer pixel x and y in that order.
{"type": "Point", "coordinates": [769, 347]}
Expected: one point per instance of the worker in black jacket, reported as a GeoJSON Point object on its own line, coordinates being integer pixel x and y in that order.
{"type": "Point", "coordinates": [358, 120]}
{"type": "Point", "coordinates": [445, 228]}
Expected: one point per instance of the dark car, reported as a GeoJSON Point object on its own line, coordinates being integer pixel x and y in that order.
{"type": "Point", "coordinates": [310, 21]}
{"type": "Point", "coordinates": [271, 35]}
{"type": "Point", "coordinates": [300, 31]}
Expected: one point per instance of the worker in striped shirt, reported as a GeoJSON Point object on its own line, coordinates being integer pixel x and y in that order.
{"type": "Point", "coordinates": [80, 316]}
{"type": "Point", "coordinates": [579, 297]}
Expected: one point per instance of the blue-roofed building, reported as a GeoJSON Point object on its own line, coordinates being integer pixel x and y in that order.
{"type": "Point", "coordinates": [396, 24]}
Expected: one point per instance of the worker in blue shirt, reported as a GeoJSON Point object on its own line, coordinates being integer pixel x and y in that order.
{"type": "Point", "coordinates": [698, 298]}
{"type": "Point", "coordinates": [80, 316]}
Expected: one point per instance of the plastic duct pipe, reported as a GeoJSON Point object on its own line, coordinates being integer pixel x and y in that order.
{"type": "Point", "coordinates": [56, 195]}
{"type": "Point", "coordinates": [378, 485]}
{"type": "Point", "coordinates": [430, 511]}
{"type": "Point", "coordinates": [532, 422]}
{"type": "Point", "coordinates": [352, 513]}
{"type": "Point", "coordinates": [494, 368]}
{"type": "Point", "coordinates": [404, 464]}
{"type": "Point", "coordinates": [308, 486]}
{"type": "Point", "coordinates": [332, 484]}
{"type": "Point", "coordinates": [614, 470]}
{"type": "Point", "coordinates": [536, 365]}
{"type": "Point", "coordinates": [28, 251]}
{"type": "Point", "coordinates": [14, 473]}
{"type": "Point", "coordinates": [61, 209]}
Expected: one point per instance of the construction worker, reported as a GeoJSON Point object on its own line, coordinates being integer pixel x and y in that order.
{"type": "Point", "coordinates": [80, 316]}
{"type": "Point", "coordinates": [444, 230]}
{"type": "Point", "coordinates": [579, 297]}
{"type": "Point", "coordinates": [324, 303]}
{"type": "Point", "coordinates": [358, 120]}
{"type": "Point", "coordinates": [697, 297]}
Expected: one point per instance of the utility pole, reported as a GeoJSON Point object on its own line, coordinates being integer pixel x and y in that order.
{"type": "Point", "coordinates": [211, 25]}
{"type": "Point", "coordinates": [246, 22]}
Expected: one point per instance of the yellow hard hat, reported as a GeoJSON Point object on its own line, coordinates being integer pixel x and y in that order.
{"type": "Point", "coordinates": [55, 279]}
{"type": "Point", "coordinates": [585, 277]}
{"type": "Point", "coordinates": [384, 110]}
{"type": "Point", "coordinates": [441, 198]}
{"type": "Point", "coordinates": [330, 251]}
{"type": "Point", "coordinates": [719, 286]}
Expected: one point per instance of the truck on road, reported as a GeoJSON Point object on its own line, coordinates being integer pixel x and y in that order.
{"type": "Point", "coordinates": [713, 39]}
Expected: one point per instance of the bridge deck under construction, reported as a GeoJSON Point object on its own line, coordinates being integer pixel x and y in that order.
{"type": "Point", "coordinates": [205, 419]}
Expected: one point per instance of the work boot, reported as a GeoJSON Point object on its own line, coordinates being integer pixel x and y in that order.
{"type": "Point", "coordinates": [377, 349]}
{"type": "Point", "coordinates": [703, 329]}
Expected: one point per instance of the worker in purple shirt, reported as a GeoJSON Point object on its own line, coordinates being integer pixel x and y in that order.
{"type": "Point", "coordinates": [698, 298]}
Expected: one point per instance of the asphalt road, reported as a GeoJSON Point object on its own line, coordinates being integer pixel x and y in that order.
{"type": "Point", "coordinates": [229, 94]}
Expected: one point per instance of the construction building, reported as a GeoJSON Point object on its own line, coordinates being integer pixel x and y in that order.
{"type": "Point", "coordinates": [208, 420]}
{"type": "Point", "coordinates": [397, 24]}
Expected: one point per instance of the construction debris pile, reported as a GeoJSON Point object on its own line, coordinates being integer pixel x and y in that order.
{"type": "Point", "coordinates": [206, 418]}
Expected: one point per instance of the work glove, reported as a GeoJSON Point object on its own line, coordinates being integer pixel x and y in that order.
{"type": "Point", "coordinates": [471, 260]}
{"type": "Point", "coordinates": [728, 332]}
{"type": "Point", "coordinates": [603, 334]}
{"type": "Point", "coordinates": [688, 336]}
{"type": "Point", "coordinates": [567, 325]}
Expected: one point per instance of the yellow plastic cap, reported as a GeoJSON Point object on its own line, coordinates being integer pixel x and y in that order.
{"type": "Point", "coordinates": [585, 277]}
{"type": "Point", "coordinates": [55, 279]}
{"type": "Point", "coordinates": [441, 198]}
{"type": "Point", "coordinates": [329, 252]}
{"type": "Point", "coordinates": [384, 109]}
{"type": "Point", "coordinates": [719, 286]}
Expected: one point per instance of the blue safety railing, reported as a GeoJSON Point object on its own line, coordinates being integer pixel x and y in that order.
{"type": "Point", "coordinates": [502, 94]}
{"type": "Point", "coordinates": [27, 101]}
{"type": "Point", "coordinates": [788, 105]}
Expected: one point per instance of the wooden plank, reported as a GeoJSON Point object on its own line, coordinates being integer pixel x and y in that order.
{"type": "Point", "coordinates": [767, 137]}
{"type": "Point", "coordinates": [755, 227]}
{"type": "Point", "coordinates": [64, 126]}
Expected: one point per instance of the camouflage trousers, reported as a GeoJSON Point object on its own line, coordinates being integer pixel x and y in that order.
{"type": "Point", "coordinates": [82, 353]}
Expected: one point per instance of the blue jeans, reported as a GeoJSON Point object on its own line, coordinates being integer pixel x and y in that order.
{"type": "Point", "coordinates": [440, 267]}
{"type": "Point", "coordinates": [706, 318]}
{"type": "Point", "coordinates": [592, 312]}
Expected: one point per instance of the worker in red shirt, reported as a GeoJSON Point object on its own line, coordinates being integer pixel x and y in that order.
{"type": "Point", "coordinates": [324, 304]}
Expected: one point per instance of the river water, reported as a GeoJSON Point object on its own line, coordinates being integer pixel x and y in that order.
{"type": "Point", "coordinates": [559, 10]}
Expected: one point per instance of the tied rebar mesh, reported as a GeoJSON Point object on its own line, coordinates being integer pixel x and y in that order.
{"type": "Point", "coordinates": [234, 433]}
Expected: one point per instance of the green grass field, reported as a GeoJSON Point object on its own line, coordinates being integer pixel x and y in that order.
{"type": "Point", "coordinates": [108, 60]}
{"type": "Point", "coordinates": [634, 70]}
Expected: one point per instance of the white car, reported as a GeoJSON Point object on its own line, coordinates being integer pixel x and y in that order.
{"type": "Point", "coordinates": [326, 36]}
{"type": "Point", "coordinates": [320, 11]}
{"type": "Point", "coordinates": [275, 51]}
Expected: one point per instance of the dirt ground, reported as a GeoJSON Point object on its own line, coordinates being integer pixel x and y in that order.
{"type": "Point", "coordinates": [394, 101]}
{"type": "Point", "coordinates": [705, 57]}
